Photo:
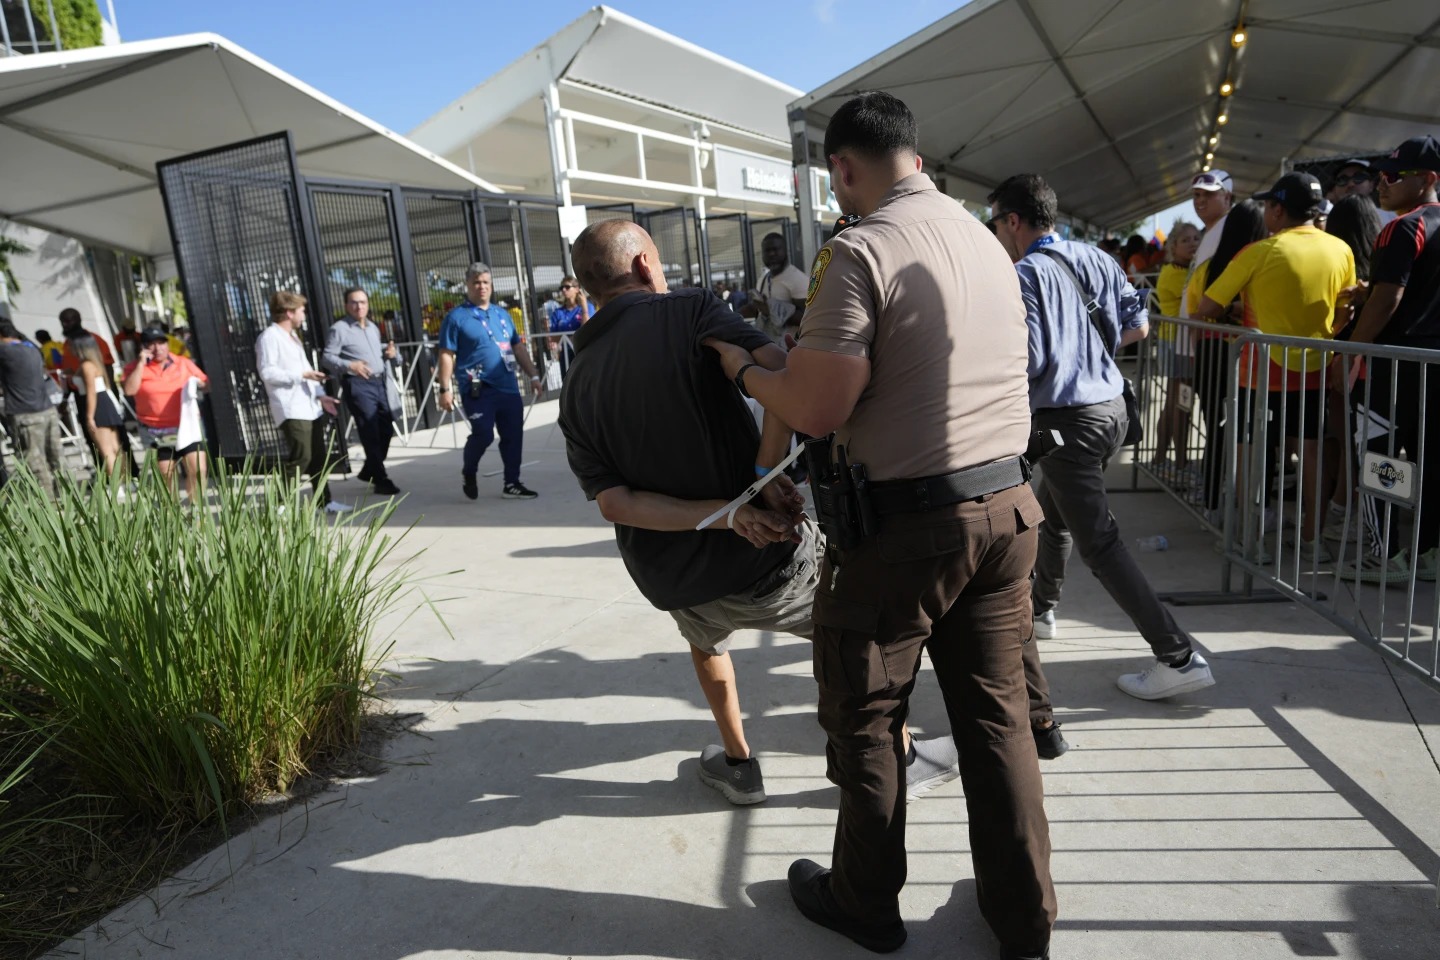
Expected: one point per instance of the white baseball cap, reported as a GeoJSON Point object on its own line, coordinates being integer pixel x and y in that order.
{"type": "Point", "coordinates": [1213, 181]}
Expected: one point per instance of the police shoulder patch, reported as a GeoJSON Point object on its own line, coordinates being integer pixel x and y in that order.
{"type": "Point", "coordinates": [817, 273]}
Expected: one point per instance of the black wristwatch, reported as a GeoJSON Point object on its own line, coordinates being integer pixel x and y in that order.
{"type": "Point", "coordinates": [740, 380]}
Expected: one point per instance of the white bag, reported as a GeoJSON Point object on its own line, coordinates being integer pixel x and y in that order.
{"type": "Point", "coordinates": [192, 430]}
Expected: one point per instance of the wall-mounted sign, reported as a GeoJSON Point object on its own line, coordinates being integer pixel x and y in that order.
{"type": "Point", "coordinates": [748, 176]}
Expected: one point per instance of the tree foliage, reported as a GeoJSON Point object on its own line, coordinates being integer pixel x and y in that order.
{"type": "Point", "coordinates": [79, 22]}
{"type": "Point", "coordinates": [9, 246]}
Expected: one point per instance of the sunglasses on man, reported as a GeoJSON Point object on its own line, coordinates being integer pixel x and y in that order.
{"type": "Point", "coordinates": [1357, 178]}
{"type": "Point", "coordinates": [1395, 176]}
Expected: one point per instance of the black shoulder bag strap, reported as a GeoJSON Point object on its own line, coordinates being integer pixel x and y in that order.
{"type": "Point", "coordinates": [1092, 306]}
{"type": "Point", "coordinates": [1134, 431]}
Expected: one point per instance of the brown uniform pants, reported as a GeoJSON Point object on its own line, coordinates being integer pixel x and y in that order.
{"type": "Point", "coordinates": [955, 580]}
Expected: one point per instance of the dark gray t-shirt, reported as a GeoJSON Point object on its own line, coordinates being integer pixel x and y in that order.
{"type": "Point", "coordinates": [22, 379]}
{"type": "Point", "coordinates": [647, 407]}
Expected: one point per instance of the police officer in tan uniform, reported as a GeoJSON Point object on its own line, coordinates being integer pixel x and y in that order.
{"type": "Point", "coordinates": [913, 351]}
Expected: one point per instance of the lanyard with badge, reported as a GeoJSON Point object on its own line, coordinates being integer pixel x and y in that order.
{"type": "Point", "coordinates": [507, 351]}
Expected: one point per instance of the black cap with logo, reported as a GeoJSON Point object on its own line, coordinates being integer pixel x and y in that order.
{"type": "Point", "coordinates": [1299, 193]}
{"type": "Point", "coordinates": [1417, 153]}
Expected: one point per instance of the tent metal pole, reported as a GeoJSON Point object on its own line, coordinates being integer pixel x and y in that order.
{"type": "Point", "coordinates": [54, 25]}
{"type": "Point", "coordinates": [30, 26]}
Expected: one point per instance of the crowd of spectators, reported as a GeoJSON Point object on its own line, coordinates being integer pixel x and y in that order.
{"type": "Point", "coordinates": [1351, 259]}
{"type": "Point", "coordinates": [40, 377]}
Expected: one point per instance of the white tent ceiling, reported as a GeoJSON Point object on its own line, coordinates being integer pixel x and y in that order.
{"type": "Point", "coordinates": [1113, 101]}
{"type": "Point", "coordinates": [82, 130]}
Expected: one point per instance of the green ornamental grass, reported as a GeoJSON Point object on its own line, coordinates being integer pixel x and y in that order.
{"type": "Point", "coordinates": [192, 660]}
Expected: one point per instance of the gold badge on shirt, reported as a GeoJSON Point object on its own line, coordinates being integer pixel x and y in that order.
{"type": "Point", "coordinates": [817, 273]}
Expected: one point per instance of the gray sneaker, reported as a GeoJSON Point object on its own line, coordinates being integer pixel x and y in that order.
{"type": "Point", "coordinates": [936, 761]}
{"type": "Point", "coordinates": [741, 783]}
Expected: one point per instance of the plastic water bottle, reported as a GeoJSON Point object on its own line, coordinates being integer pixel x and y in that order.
{"type": "Point", "coordinates": [1153, 544]}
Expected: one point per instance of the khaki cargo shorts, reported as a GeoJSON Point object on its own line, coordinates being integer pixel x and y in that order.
{"type": "Point", "coordinates": [780, 602]}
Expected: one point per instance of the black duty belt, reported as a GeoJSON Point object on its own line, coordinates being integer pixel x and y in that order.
{"type": "Point", "coordinates": [927, 493]}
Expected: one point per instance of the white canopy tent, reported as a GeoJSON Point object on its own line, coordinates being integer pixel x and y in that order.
{"type": "Point", "coordinates": [1115, 101]}
{"type": "Point", "coordinates": [82, 130]}
{"type": "Point", "coordinates": [611, 109]}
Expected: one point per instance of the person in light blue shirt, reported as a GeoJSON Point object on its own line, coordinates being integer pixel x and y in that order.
{"type": "Point", "coordinates": [1076, 390]}
{"type": "Point", "coordinates": [1069, 365]}
{"type": "Point", "coordinates": [481, 349]}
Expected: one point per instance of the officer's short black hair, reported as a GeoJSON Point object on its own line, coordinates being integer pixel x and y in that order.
{"type": "Point", "coordinates": [874, 124]}
{"type": "Point", "coordinates": [1029, 196]}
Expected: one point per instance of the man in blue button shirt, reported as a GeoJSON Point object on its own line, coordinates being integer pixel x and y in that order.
{"type": "Point", "coordinates": [1075, 388]}
{"type": "Point", "coordinates": [479, 342]}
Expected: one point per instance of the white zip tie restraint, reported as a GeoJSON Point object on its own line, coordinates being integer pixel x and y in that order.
{"type": "Point", "coordinates": [751, 491]}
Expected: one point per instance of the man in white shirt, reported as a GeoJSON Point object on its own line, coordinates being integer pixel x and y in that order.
{"type": "Point", "coordinates": [297, 398]}
{"type": "Point", "coordinates": [780, 302]}
{"type": "Point", "coordinates": [1213, 194]}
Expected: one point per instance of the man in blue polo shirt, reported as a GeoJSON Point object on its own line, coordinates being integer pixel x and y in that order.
{"type": "Point", "coordinates": [479, 343]}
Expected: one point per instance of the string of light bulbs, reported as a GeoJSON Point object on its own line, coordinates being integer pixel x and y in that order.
{"type": "Point", "coordinates": [1238, 38]}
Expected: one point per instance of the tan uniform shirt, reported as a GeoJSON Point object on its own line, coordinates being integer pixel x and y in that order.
{"type": "Point", "coordinates": [922, 290]}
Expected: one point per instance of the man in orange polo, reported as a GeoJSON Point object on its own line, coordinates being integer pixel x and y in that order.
{"type": "Point", "coordinates": [157, 382]}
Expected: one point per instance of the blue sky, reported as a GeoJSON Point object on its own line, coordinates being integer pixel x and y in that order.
{"type": "Point", "coordinates": [400, 62]}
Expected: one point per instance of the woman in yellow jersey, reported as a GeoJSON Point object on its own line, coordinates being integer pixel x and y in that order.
{"type": "Point", "coordinates": [1244, 225]}
{"type": "Point", "coordinates": [1177, 358]}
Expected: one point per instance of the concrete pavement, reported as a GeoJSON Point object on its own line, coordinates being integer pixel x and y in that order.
{"type": "Point", "coordinates": [548, 803]}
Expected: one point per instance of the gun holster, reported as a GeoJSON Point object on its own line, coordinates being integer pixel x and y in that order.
{"type": "Point", "coordinates": [842, 494]}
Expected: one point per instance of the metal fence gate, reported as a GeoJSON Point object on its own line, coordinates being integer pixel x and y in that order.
{"type": "Point", "coordinates": [728, 249]}
{"type": "Point", "coordinates": [245, 223]}
{"type": "Point", "coordinates": [678, 241]}
{"type": "Point", "coordinates": [235, 219]}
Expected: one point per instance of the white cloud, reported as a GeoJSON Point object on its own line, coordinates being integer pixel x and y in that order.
{"type": "Point", "coordinates": [824, 10]}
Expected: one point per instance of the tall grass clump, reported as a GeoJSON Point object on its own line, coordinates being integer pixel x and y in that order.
{"type": "Point", "coordinates": [190, 659]}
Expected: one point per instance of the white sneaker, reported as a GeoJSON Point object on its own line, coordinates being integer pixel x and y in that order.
{"type": "Point", "coordinates": [1335, 526]}
{"type": "Point", "coordinates": [1045, 626]}
{"type": "Point", "coordinates": [1315, 552]}
{"type": "Point", "coordinates": [1373, 569]}
{"type": "Point", "coordinates": [936, 761]}
{"type": "Point", "coordinates": [1163, 680]}
{"type": "Point", "coordinates": [335, 506]}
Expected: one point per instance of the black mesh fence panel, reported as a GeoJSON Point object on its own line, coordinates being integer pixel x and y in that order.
{"type": "Point", "coordinates": [617, 211]}
{"type": "Point", "coordinates": [675, 238]}
{"type": "Point", "coordinates": [357, 249]}
{"type": "Point", "coordinates": [546, 248]}
{"type": "Point", "coordinates": [440, 236]}
{"type": "Point", "coordinates": [234, 220]}
{"type": "Point", "coordinates": [729, 251]}
{"type": "Point", "coordinates": [503, 254]}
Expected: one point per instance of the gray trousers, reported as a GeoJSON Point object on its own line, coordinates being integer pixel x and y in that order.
{"type": "Point", "coordinates": [1071, 491]}
{"type": "Point", "coordinates": [37, 440]}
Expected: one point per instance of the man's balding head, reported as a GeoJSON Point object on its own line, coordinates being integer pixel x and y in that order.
{"type": "Point", "coordinates": [613, 257]}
